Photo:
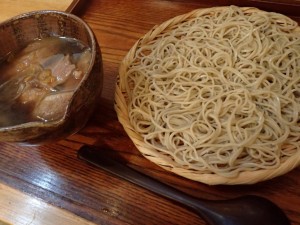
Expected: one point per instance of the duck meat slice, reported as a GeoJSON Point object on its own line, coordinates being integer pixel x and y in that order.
{"type": "Point", "coordinates": [60, 66]}
{"type": "Point", "coordinates": [53, 106]}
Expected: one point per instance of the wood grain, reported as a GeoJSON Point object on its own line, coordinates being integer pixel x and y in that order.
{"type": "Point", "coordinates": [55, 174]}
{"type": "Point", "coordinates": [33, 211]}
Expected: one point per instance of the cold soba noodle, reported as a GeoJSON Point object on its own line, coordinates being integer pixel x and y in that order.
{"type": "Point", "coordinates": [220, 93]}
{"type": "Point", "coordinates": [37, 83]}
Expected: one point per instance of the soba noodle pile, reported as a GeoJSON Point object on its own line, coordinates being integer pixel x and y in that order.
{"type": "Point", "coordinates": [219, 93]}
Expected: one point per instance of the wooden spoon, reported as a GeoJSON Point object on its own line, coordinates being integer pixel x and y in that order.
{"type": "Point", "coordinates": [244, 210]}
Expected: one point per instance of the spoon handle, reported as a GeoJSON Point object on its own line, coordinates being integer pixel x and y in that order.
{"type": "Point", "coordinates": [107, 163]}
{"type": "Point", "coordinates": [244, 210]}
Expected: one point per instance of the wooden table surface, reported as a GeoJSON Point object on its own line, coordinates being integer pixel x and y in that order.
{"type": "Point", "coordinates": [54, 174]}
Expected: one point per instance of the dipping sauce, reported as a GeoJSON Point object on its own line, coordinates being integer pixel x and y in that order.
{"type": "Point", "coordinates": [37, 82]}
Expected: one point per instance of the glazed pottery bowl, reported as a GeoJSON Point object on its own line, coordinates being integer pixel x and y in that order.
{"type": "Point", "coordinates": [21, 30]}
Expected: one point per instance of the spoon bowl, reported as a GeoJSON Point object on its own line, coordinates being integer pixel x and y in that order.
{"type": "Point", "coordinates": [244, 210]}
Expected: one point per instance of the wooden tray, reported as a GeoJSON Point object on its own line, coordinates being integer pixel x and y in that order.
{"type": "Point", "coordinates": [10, 8]}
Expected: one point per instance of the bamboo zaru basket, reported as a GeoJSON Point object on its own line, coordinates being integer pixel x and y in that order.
{"type": "Point", "coordinates": [248, 166]}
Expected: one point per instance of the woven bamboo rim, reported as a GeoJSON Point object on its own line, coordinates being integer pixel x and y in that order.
{"type": "Point", "coordinates": [164, 161]}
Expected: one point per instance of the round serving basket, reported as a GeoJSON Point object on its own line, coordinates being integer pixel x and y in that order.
{"type": "Point", "coordinates": [163, 160]}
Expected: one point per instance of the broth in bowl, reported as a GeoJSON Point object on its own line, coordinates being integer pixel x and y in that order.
{"type": "Point", "coordinates": [38, 81]}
